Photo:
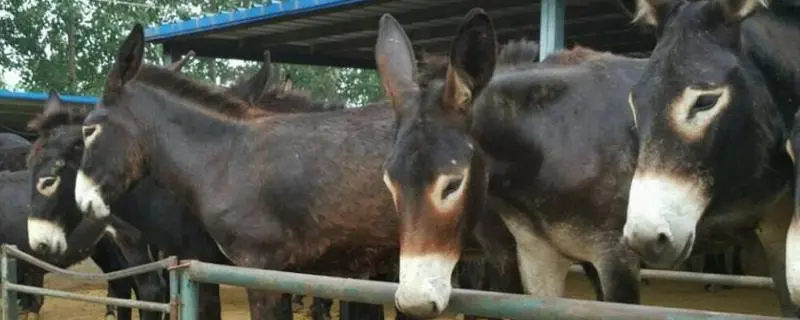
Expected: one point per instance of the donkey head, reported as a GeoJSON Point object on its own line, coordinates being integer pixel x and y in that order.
{"type": "Point", "coordinates": [112, 157]}
{"type": "Point", "coordinates": [434, 171]}
{"type": "Point", "coordinates": [706, 122]}
{"type": "Point", "coordinates": [53, 162]}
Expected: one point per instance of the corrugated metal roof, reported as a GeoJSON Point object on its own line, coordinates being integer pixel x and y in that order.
{"type": "Point", "coordinates": [17, 108]}
{"type": "Point", "coordinates": [342, 32]}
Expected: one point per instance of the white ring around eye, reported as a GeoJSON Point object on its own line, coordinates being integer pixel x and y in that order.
{"type": "Point", "coordinates": [87, 140]}
{"type": "Point", "coordinates": [48, 190]}
{"type": "Point", "coordinates": [451, 200]}
{"type": "Point", "coordinates": [693, 128]}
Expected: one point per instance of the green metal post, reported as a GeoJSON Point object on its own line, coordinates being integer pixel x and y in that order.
{"type": "Point", "coordinates": [8, 272]}
{"type": "Point", "coordinates": [189, 297]}
{"type": "Point", "coordinates": [174, 295]}
{"type": "Point", "coordinates": [551, 27]}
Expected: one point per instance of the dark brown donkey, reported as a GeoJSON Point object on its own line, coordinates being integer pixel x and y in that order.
{"type": "Point", "coordinates": [297, 192]}
{"type": "Point", "coordinates": [552, 143]}
{"type": "Point", "coordinates": [714, 107]}
{"type": "Point", "coordinates": [148, 206]}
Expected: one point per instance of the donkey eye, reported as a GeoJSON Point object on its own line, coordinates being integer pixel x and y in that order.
{"type": "Point", "coordinates": [88, 131]}
{"type": "Point", "coordinates": [59, 163]}
{"type": "Point", "coordinates": [452, 186]}
{"type": "Point", "coordinates": [47, 185]}
{"type": "Point", "coordinates": [705, 102]}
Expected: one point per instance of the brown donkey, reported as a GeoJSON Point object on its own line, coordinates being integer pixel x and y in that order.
{"type": "Point", "coordinates": [297, 192]}
{"type": "Point", "coordinates": [550, 144]}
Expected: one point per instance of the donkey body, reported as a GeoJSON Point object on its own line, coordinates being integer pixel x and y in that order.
{"type": "Point", "coordinates": [13, 149]}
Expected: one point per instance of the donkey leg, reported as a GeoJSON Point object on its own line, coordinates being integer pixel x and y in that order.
{"type": "Point", "coordinates": [127, 245]}
{"type": "Point", "coordinates": [772, 233]}
{"type": "Point", "coordinates": [321, 309]}
{"type": "Point", "coordinates": [618, 270]}
{"type": "Point", "coordinates": [297, 303]}
{"type": "Point", "coordinates": [594, 279]}
{"type": "Point", "coordinates": [265, 305]}
{"type": "Point", "coordinates": [30, 304]}
{"type": "Point", "coordinates": [106, 256]}
{"type": "Point", "coordinates": [209, 302]}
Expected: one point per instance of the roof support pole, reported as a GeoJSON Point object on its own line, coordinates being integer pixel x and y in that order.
{"type": "Point", "coordinates": [551, 28]}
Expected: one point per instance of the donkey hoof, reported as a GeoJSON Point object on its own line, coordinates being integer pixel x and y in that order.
{"type": "Point", "coordinates": [111, 316]}
{"type": "Point", "coordinates": [26, 315]}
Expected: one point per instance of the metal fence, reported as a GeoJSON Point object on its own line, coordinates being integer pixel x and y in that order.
{"type": "Point", "coordinates": [473, 302]}
{"type": "Point", "coordinates": [9, 286]}
{"type": "Point", "coordinates": [184, 294]}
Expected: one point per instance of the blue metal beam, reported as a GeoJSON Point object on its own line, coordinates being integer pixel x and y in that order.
{"type": "Point", "coordinates": [242, 16]}
{"type": "Point", "coordinates": [551, 31]}
{"type": "Point", "coordinates": [42, 97]}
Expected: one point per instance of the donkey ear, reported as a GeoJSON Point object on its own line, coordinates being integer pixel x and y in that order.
{"type": "Point", "coordinates": [53, 103]}
{"type": "Point", "coordinates": [178, 65]}
{"type": "Point", "coordinates": [472, 59]}
{"type": "Point", "coordinates": [52, 106]}
{"type": "Point", "coordinates": [652, 12]}
{"type": "Point", "coordinates": [261, 80]}
{"type": "Point", "coordinates": [737, 10]}
{"type": "Point", "coordinates": [288, 84]}
{"type": "Point", "coordinates": [128, 60]}
{"type": "Point", "coordinates": [395, 60]}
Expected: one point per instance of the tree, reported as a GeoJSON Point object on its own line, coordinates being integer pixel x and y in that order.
{"type": "Point", "coordinates": [68, 45]}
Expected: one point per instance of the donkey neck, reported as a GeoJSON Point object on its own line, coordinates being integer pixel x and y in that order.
{"type": "Point", "coordinates": [768, 38]}
{"type": "Point", "coordinates": [183, 140]}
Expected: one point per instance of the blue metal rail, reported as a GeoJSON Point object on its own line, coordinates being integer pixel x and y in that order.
{"type": "Point", "coordinates": [9, 287]}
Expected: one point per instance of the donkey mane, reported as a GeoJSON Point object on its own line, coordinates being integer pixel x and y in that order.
{"type": "Point", "coordinates": [575, 56]}
{"type": "Point", "coordinates": [432, 66]}
{"type": "Point", "coordinates": [279, 99]}
{"type": "Point", "coordinates": [518, 54]}
{"type": "Point", "coordinates": [212, 99]}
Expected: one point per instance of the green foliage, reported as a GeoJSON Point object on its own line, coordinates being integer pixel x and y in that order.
{"type": "Point", "coordinates": [68, 45]}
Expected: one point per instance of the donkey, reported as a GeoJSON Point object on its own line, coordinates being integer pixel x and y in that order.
{"type": "Point", "coordinates": [13, 149]}
{"type": "Point", "coordinates": [116, 247]}
{"type": "Point", "coordinates": [713, 110]}
{"type": "Point", "coordinates": [548, 148]}
{"type": "Point", "coordinates": [289, 192]}
{"type": "Point", "coordinates": [149, 206]}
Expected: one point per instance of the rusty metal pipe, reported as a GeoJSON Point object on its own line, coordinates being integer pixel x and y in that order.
{"type": "Point", "coordinates": [142, 305]}
{"type": "Point", "coordinates": [12, 251]}
{"type": "Point", "coordinates": [704, 278]}
{"type": "Point", "coordinates": [472, 302]}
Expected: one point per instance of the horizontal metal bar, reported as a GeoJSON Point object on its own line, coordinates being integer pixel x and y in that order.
{"type": "Point", "coordinates": [140, 269]}
{"type": "Point", "coordinates": [471, 302]}
{"type": "Point", "coordinates": [144, 305]}
{"type": "Point", "coordinates": [705, 278]}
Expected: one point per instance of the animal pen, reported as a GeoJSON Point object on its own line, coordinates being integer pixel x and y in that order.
{"type": "Point", "coordinates": [184, 276]}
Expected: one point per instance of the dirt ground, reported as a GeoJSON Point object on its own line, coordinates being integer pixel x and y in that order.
{"type": "Point", "coordinates": [662, 293]}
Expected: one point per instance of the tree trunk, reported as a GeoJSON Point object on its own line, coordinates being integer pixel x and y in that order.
{"type": "Point", "coordinates": [212, 62]}
{"type": "Point", "coordinates": [72, 77]}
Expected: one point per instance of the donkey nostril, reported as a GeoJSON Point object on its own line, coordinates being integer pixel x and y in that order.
{"type": "Point", "coordinates": [42, 247]}
{"type": "Point", "coordinates": [663, 238]}
{"type": "Point", "coordinates": [434, 307]}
